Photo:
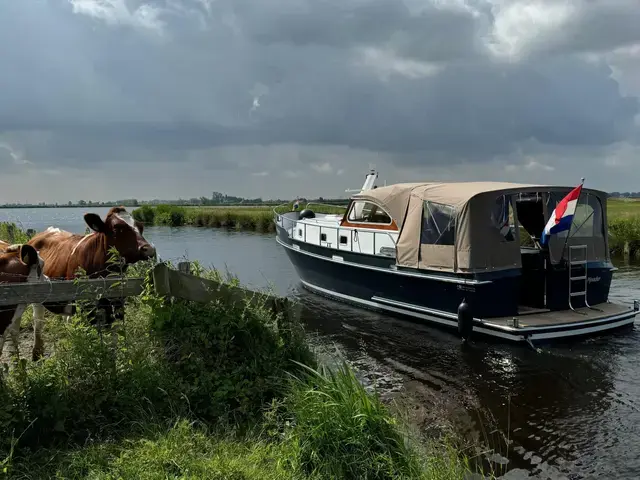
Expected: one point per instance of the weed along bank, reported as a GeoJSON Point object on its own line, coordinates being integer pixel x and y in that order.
{"type": "Point", "coordinates": [204, 380]}
{"type": "Point", "coordinates": [453, 254]}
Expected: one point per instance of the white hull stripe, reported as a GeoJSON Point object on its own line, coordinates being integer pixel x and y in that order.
{"type": "Point", "coordinates": [385, 270]}
{"type": "Point", "coordinates": [519, 335]}
{"type": "Point", "coordinates": [630, 313]}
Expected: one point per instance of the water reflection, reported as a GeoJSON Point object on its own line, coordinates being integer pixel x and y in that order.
{"type": "Point", "coordinates": [571, 409]}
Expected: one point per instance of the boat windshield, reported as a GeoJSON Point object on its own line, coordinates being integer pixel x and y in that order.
{"type": "Point", "coordinates": [368, 212]}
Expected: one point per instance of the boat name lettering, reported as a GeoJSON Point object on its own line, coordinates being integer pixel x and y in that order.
{"type": "Point", "coordinates": [593, 279]}
{"type": "Point", "coordinates": [467, 288]}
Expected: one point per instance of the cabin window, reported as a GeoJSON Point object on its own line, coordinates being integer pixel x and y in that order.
{"type": "Point", "coordinates": [502, 217]}
{"type": "Point", "coordinates": [438, 224]}
{"type": "Point", "coordinates": [299, 232]}
{"type": "Point", "coordinates": [368, 212]}
{"type": "Point", "coordinates": [343, 239]}
{"type": "Point", "coordinates": [587, 221]}
{"type": "Point", "coordinates": [323, 237]}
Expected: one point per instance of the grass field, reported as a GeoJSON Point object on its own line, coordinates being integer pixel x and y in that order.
{"type": "Point", "coordinates": [194, 390]}
{"type": "Point", "coordinates": [622, 208]}
{"type": "Point", "coordinates": [624, 226]}
{"type": "Point", "coordinates": [258, 219]}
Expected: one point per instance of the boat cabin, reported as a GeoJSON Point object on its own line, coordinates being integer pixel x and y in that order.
{"type": "Point", "coordinates": [481, 237]}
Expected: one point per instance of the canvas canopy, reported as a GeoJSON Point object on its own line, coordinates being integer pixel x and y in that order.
{"type": "Point", "coordinates": [464, 226]}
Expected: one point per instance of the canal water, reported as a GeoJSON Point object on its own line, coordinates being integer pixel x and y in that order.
{"type": "Point", "coordinates": [569, 411]}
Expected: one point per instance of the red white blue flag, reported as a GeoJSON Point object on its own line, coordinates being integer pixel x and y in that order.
{"type": "Point", "coordinates": [562, 216]}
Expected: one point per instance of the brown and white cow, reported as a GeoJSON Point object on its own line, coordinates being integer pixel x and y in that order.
{"type": "Point", "coordinates": [64, 253]}
{"type": "Point", "coordinates": [18, 264]}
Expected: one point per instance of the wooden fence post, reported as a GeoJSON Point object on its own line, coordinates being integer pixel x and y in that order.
{"type": "Point", "coordinates": [161, 280]}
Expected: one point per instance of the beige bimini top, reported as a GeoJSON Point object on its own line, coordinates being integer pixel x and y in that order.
{"type": "Point", "coordinates": [458, 227]}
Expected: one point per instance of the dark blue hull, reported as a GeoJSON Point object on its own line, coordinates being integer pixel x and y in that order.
{"type": "Point", "coordinates": [374, 282]}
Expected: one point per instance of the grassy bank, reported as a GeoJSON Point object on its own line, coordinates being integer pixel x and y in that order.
{"type": "Point", "coordinates": [198, 391]}
{"type": "Point", "coordinates": [259, 219]}
{"type": "Point", "coordinates": [11, 233]}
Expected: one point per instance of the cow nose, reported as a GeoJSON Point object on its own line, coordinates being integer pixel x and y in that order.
{"type": "Point", "coordinates": [148, 251]}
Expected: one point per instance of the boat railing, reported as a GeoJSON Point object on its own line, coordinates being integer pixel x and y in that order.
{"type": "Point", "coordinates": [278, 209]}
{"type": "Point", "coordinates": [290, 224]}
{"type": "Point", "coordinates": [327, 205]}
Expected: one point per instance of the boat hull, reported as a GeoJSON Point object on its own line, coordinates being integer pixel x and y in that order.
{"type": "Point", "coordinates": [376, 285]}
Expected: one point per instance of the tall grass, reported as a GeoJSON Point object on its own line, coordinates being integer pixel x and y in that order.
{"type": "Point", "coordinates": [11, 233]}
{"type": "Point", "coordinates": [194, 390]}
{"type": "Point", "coordinates": [259, 219]}
{"type": "Point", "coordinates": [334, 417]}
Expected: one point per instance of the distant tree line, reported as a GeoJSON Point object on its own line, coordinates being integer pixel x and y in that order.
{"type": "Point", "coordinates": [217, 198]}
{"type": "Point", "coordinates": [624, 195]}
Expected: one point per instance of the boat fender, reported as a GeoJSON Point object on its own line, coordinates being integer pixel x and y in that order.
{"type": "Point", "coordinates": [306, 213]}
{"type": "Point", "coordinates": [465, 320]}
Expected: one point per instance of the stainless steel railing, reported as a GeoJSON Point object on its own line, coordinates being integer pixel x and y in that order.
{"type": "Point", "coordinates": [290, 224]}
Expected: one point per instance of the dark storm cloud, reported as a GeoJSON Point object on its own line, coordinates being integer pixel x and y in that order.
{"type": "Point", "coordinates": [112, 79]}
{"type": "Point", "coordinates": [428, 32]}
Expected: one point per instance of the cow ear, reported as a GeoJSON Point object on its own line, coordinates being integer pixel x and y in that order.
{"type": "Point", "coordinates": [95, 222]}
{"type": "Point", "coordinates": [140, 227]}
{"type": "Point", "coordinates": [28, 255]}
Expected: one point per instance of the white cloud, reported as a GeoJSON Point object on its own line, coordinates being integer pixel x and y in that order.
{"type": "Point", "coordinates": [13, 155]}
{"type": "Point", "coordinates": [385, 63]}
{"type": "Point", "coordinates": [521, 24]}
{"type": "Point", "coordinates": [322, 167]}
{"type": "Point", "coordinates": [535, 165]}
{"type": "Point", "coordinates": [117, 12]}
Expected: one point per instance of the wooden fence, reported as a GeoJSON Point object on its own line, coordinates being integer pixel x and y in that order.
{"type": "Point", "coordinates": [167, 282]}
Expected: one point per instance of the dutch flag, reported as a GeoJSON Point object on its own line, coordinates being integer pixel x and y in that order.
{"type": "Point", "coordinates": [562, 216]}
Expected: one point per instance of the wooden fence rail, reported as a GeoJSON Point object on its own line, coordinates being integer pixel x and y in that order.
{"type": "Point", "coordinates": [167, 282]}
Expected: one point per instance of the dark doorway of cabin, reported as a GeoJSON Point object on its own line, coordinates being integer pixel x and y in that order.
{"type": "Point", "coordinates": [530, 209]}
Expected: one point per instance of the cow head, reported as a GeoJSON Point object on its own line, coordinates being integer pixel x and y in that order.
{"type": "Point", "coordinates": [26, 266]}
{"type": "Point", "coordinates": [123, 233]}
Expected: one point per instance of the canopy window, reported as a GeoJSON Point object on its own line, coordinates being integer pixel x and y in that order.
{"type": "Point", "coordinates": [438, 224]}
{"type": "Point", "coordinates": [587, 228]}
{"type": "Point", "coordinates": [502, 217]}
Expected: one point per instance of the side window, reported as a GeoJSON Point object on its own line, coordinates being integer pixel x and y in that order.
{"type": "Point", "coordinates": [502, 217]}
{"type": "Point", "coordinates": [438, 224]}
{"type": "Point", "coordinates": [367, 212]}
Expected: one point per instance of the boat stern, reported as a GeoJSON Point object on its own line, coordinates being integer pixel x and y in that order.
{"type": "Point", "coordinates": [546, 325]}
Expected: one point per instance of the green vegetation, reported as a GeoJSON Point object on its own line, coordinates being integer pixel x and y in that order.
{"type": "Point", "coordinates": [218, 390]}
{"type": "Point", "coordinates": [623, 207]}
{"type": "Point", "coordinates": [11, 233]}
{"type": "Point", "coordinates": [624, 226]}
{"type": "Point", "coordinates": [258, 219]}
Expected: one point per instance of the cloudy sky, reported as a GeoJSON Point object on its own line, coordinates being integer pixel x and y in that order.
{"type": "Point", "coordinates": [105, 99]}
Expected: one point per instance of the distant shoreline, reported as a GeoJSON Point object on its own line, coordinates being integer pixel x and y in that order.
{"type": "Point", "coordinates": [116, 204]}
{"type": "Point", "coordinates": [339, 201]}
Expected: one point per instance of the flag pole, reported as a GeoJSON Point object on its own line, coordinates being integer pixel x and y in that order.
{"type": "Point", "coordinates": [566, 241]}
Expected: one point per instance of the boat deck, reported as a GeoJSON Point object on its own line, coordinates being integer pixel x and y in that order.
{"type": "Point", "coordinates": [545, 318]}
